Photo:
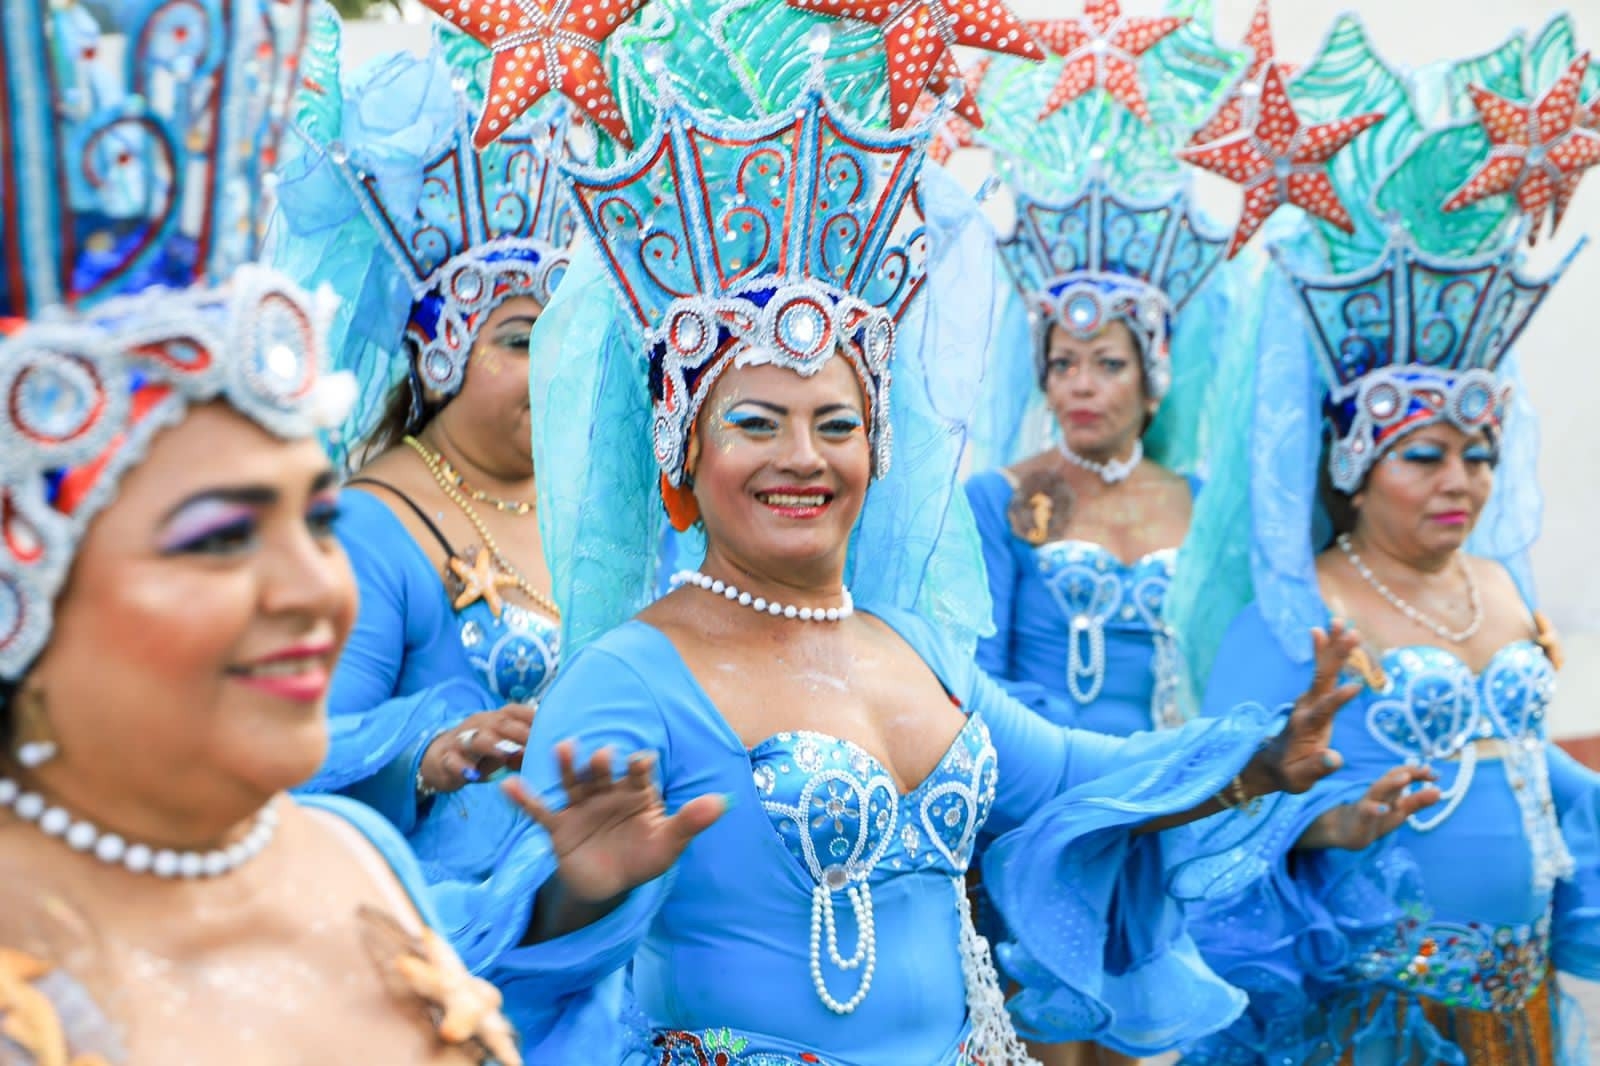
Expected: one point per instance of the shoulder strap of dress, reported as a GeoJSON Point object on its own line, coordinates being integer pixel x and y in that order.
{"type": "Point", "coordinates": [438, 534]}
{"type": "Point", "coordinates": [380, 850]}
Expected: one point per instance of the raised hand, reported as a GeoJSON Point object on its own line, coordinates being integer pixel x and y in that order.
{"type": "Point", "coordinates": [614, 834]}
{"type": "Point", "coordinates": [477, 747]}
{"type": "Point", "coordinates": [1299, 757]}
{"type": "Point", "coordinates": [1387, 804]}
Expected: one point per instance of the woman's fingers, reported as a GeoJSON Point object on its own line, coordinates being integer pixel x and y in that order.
{"type": "Point", "coordinates": [695, 817]}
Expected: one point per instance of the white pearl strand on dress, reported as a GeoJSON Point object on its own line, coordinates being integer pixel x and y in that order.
{"type": "Point", "coordinates": [1112, 471]}
{"type": "Point", "coordinates": [758, 603]}
{"type": "Point", "coordinates": [111, 849]}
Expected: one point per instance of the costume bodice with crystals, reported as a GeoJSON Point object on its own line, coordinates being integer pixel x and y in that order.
{"type": "Point", "coordinates": [1079, 634]}
{"type": "Point", "coordinates": [1470, 903]}
{"type": "Point", "coordinates": [823, 916]}
{"type": "Point", "coordinates": [414, 667]}
{"type": "Point", "coordinates": [837, 811]}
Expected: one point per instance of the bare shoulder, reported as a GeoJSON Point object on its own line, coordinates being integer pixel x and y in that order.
{"type": "Point", "coordinates": [1496, 586]}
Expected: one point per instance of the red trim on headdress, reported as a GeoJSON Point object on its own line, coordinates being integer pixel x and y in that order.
{"type": "Point", "coordinates": [77, 483]}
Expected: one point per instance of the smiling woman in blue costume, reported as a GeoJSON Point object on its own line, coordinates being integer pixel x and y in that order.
{"type": "Point", "coordinates": [172, 598]}
{"type": "Point", "coordinates": [445, 254]}
{"type": "Point", "coordinates": [806, 705]}
{"type": "Point", "coordinates": [1441, 944]}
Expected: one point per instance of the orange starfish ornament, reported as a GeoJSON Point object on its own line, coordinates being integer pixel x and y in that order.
{"type": "Point", "coordinates": [28, 1018]}
{"type": "Point", "coordinates": [1237, 108]}
{"type": "Point", "coordinates": [1280, 161]}
{"type": "Point", "coordinates": [542, 46]}
{"type": "Point", "coordinates": [480, 580]}
{"type": "Point", "coordinates": [919, 36]}
{"type": "Point", "coordinates": [1537, 153]}
{"type": "Point", "coordinates": [960, 129]}
{"type": "Point", "coordinates": [1102, 47]}
{"type": "Point", "coordinates": [469, 1006]}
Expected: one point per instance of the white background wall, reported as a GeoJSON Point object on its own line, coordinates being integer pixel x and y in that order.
{"type": "Point", "coordinates": [1561, 349]}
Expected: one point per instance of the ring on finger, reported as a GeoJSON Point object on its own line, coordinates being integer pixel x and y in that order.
{"type": "Point", "coordinates": [508, 747]}
{"type": "Point", "coordinates": [465, 737]}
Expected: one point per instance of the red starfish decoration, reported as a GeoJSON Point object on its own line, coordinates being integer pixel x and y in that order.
{"type": "Point", "coordinates": [960, 130]}
{"type": "Point", "coordinates": [1232, 115]}
{"type": "Point", "coordinates": [919, 35]}
{"type": "Point", "coordinates": [1538, 153]}
{"type": "Point", "coordinates": [1102, 47]}
{"type": "Point", "coordinates": [539, 46]}
{"type": "Point", "coordinates": [1280, 161]}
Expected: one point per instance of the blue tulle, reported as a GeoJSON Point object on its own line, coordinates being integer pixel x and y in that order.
{"type": "Point", "coordinates": [914, 545]}
{"type": "Point", "coordinates": [1099, 946]}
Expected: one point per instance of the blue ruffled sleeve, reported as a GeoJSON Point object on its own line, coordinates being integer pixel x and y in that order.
{"type": "Point", "coordinates": [989, 495]}
{"type": "Point", "coordinates": [565, 991]}
{"type": "Point", "coordinates": [377, 738]}
{"type": "Point", "coordinates": [1285, 926]}
{"type": "Point", "coordinates": [1575, 932]}
{"type": "Point", "coordinates": [1098, 945]}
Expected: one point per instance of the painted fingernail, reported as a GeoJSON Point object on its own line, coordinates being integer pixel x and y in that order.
{"type": "Point", "coordinates": [508, 747]}
{"type": "Point", "coordinates": [1383, 809]}
{"type": "Point", "coordinates": [471, 775]}
{"type": "Point", "coordinates": [730, 800]}
{"type": "Point", "coordinates": [1330, 760]}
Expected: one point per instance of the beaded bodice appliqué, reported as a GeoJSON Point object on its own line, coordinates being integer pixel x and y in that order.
{"type": "Point", "coordinates": [514, 655]}
{"type": "Point", "coordinates": [836, 809]}
{"type": "Point", "coordinates": [1097, 591]}
{"type": "Point", "coordinates": [1434, 707]}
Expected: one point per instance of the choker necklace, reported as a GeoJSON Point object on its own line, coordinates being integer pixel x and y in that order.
{"type": "Point", "coordinates": [111, 849]}
{"type": "Point", "coordinates": [1111, 471]}
{"type": "Point", "coordinates": [727, 591]}
{"type": "Point", "coordinates": [1439, 629]}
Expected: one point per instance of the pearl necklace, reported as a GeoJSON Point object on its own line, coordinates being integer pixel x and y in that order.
{"type": "Point", "coordinates": [1112, 471]}
{"type": "Point", "coordinates": [112, 850]}
{"type": "Point", "coordinates": [1438, 628]}
{"type": "Point", "coordinates": [772, 607]}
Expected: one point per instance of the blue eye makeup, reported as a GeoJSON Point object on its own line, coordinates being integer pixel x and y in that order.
{"type": "Point", "coordinates": [1481, 453]}
{"type": "Point", "coordinates": [750, 422]}
{"type": "Point", "coordinates": [1422, 453]}
{"type": "Point", "coordinates": [841, 425]}
{"type": "Point", "coordinates": [322, 514]}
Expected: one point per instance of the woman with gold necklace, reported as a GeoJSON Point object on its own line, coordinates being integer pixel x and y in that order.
{"type": "Point", "coordinates": [444, 256]}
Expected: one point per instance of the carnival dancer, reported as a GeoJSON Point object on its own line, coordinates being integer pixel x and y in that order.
{"type": "Point", "coordinates": [172, 598]}
{"type": "Point", "coordinates": [1118, 271]}
{"type": "Point", "coordinates": [828, 753]}
{"type": "Point", "coordinates": [445, 254]}
{"type": "Point", "coordinates": [1388, 478]}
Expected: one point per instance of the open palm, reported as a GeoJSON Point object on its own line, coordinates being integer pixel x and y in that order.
{"type": "Point", "coordinates": [1300, 756]}
{"type": "Point", "coordinates": [614, 833]}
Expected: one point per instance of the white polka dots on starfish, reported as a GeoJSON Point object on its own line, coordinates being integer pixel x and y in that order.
{"type": "Point", "coordinates": [1239, 107]}
{"type": "Point", "coordinates": [1102, 47]}
{"type": "Point", "coordinates": [542, 46]}
{"type": "Point", "coordinates": [1280, 161]}
{"type": "Point", "coordinates": [919, 34]}
{"type": "Point", "coordinates": [1537, 153]}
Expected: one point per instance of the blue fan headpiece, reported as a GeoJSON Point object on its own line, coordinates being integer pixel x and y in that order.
{"type": "Point", "coordinates": [1101, 257]}
{"type": "Point", "coordinates": [133, 203]}
{"type": "Point", "coordinates": [782, 240]}
{"type": "Point", "coordinates": [1415, 339]}
{"type": "Point", "coordinates": [449, 231]}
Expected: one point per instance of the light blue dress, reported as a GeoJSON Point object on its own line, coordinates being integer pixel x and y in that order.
{"type": "Point", "coordinates": [1474, 903]}
{"type": "Point", "coordinates": [413, 668]}
{"type": "Point", "coordinates": [730, 948]}
{"type": "Point", "coordinates": [1079, 634]}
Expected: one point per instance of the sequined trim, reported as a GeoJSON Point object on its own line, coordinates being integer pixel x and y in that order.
{"type": "Point", "coordinates": [1468, 965]}
{"type": "Point", "coordinates": [1524, 1037]}
{"type": "Point", "coordinates": [728, 1047]}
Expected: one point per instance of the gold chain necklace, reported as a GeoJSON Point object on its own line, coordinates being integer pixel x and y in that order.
{"type": "Point", "coordinates": [435, 463]}
{"type": "Point", "coordinates": [520, 508]}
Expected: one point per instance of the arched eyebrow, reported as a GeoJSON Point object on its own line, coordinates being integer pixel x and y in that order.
{"type": "Point", "coordinates": [249, 495]}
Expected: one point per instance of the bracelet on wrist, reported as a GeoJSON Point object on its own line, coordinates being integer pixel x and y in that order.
{"type": "Point", "coordinates": [1236, 797]}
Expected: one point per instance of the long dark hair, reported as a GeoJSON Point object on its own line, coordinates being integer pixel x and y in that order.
{"type": "Point", "coordinates": [8, 696]}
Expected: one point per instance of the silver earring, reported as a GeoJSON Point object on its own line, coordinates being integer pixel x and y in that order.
{"type": "Point", "coordinates": [35, 754]}
{"type": "Point", "coordinates": [35, 721]}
